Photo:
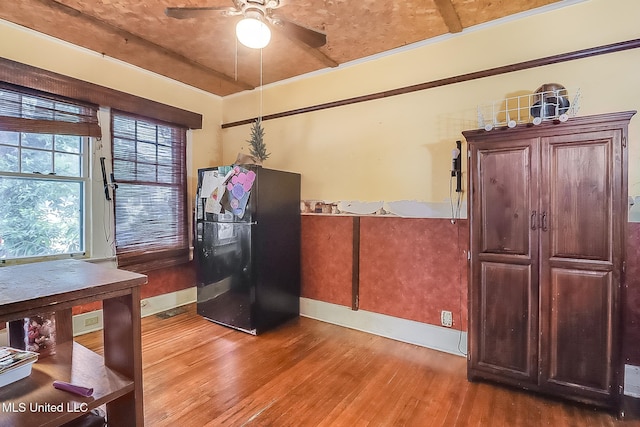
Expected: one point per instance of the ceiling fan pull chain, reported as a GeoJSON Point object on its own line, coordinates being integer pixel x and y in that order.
{"type": "Point", "coordinates": [260, 113]}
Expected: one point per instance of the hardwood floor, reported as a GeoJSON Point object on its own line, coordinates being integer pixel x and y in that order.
{"type": "Point", "coordinates": [310, 373]}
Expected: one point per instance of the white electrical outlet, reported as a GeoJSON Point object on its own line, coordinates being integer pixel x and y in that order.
{"type": "Point", "coordinates": [446, 318]}
{"type": "Point", "coordinates": [94, 320]}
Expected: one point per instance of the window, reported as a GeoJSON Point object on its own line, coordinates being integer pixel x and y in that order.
{"type": "Point", "coordinates": [43, 173]}
{"type": "Point", "coordinates": [150, 201]}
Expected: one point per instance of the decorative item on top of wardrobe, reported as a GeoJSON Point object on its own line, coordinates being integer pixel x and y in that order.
{"type": "Point", "coordinates": [550, 102]}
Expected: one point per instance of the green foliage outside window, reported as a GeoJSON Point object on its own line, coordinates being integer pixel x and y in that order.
{"type": "Point", "coordinates": [41, 209]}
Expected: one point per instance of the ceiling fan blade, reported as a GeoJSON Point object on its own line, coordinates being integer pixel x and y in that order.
{"type": "Point", "coordinates": [196, 12]}
{"type": "Point", "coordinates": [311, 38]}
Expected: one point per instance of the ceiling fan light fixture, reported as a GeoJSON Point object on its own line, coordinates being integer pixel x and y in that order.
{"type": "Point", "coordinates": [253, 33]}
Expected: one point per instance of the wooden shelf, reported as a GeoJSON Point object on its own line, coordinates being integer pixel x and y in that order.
{"type": "Point", "coordinates": [116, 378]}
{"type": "Point", "coordinates": [72, 363]}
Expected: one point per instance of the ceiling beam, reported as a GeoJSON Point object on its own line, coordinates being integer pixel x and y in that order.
{"type": "Point", "coordinates": [449, 15]}
{"type": "Point", "coordinates": [311, 51]}
{"type": "Point", "coordinates": [130, 37]}
{"type": "Point", "coordinates": [326, 60]}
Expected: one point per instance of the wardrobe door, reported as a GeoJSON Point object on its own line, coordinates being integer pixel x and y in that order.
{"type": "Point", "coordinates": [581, 186]}
{"type": "Point", "coordinates": [503, 294]}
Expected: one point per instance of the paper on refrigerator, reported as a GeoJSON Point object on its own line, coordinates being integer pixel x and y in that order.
{"type": "Point", "coordinates": [212, 189]}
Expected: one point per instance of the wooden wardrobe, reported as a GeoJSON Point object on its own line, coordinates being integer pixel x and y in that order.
{"type": "Point", "coordinates": [548, 219]}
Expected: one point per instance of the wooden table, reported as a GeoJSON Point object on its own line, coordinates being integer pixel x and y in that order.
{"type": "Point", "coordinates": [57, 286]}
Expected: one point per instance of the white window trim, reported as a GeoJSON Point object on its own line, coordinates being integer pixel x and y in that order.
{"type": "Point", "coordinates": [99, 230]}
{"type": "Point", "coordinates": [99, 218]}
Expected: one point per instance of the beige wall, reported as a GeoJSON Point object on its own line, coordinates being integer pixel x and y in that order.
{"type": "Point", "coordinates": [400, 147]}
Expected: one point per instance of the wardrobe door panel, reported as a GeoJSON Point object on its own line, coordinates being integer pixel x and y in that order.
{"type": "Point", "coordinates": [580, 347]}
{"type": "Point", "coordinates": [505, 316]}
{"type": "Point", "coordinates": [579, 269]}
{"type": "Point", "coordinates": [503, 309]}
{"type": "Point", "coordinates": [505, 185]}
{"type": "Point", "coordinates": [580, 199]}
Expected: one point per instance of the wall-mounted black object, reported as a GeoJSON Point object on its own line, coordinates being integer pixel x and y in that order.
{"type": "Point", "coordinates": [456, 166]}
{"type": "Point", "coordinates": [104, 179]}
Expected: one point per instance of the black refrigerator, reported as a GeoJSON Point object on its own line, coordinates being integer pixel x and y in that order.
{"type": "Point", "coordinates": [247, 246]}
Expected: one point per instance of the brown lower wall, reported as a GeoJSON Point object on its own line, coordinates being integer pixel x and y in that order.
{"type": "Point", "coordinates": [162, 281]}
{"type": "Point", "coordinates": [409, 268]}
{"type": "Point", "coordinates": [327, 258]}
{"type": "Point", "coordinates": [414, 268]}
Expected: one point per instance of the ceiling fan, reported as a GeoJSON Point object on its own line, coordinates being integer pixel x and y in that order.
{"type": "Point", "coordinates": [260, 10]}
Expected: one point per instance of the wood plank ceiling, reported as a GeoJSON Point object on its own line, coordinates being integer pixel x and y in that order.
{"type": "Point", "coordinates": [203, 52]}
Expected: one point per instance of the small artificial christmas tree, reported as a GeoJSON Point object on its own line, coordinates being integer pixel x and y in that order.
{"type": "Point", "coordinates": [258, 148]}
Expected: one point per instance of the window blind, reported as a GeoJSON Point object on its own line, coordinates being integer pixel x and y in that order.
{"type": "Point", "coordinates": [150, 201]}
{"type": "Point", "coordinates": [43, 173]}
{"type": "Point", "coordinates": [32, 111]}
